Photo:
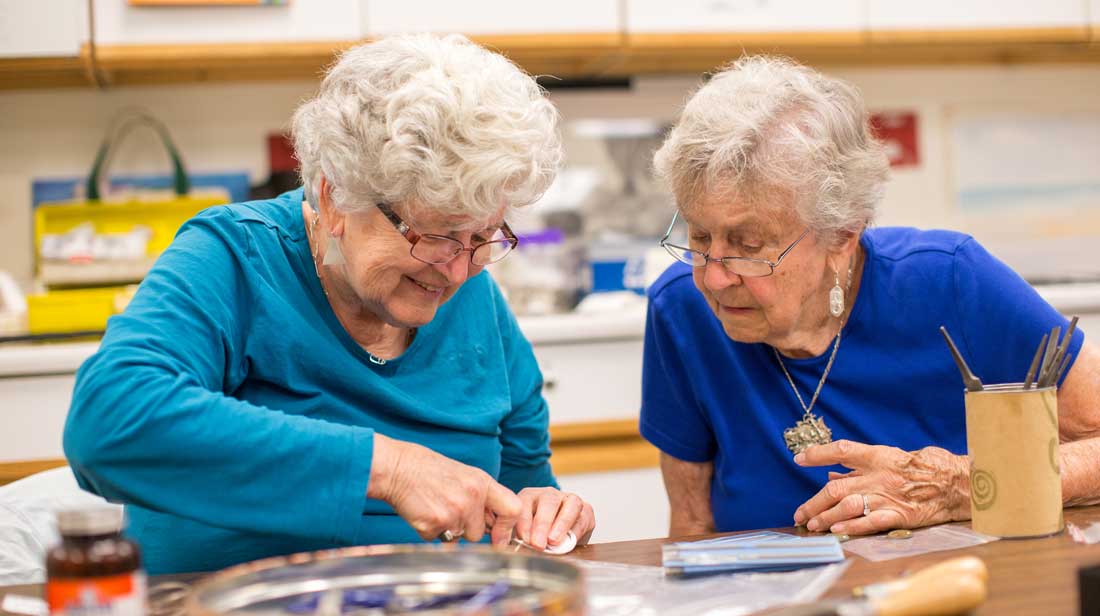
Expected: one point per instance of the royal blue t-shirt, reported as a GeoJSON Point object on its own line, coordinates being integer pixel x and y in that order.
{"type": "Point", "coordinates": [708, 398]}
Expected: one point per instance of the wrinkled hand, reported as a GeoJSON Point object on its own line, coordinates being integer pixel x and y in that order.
{"type": "Point", "coordinates": [434, 493]}
{"type": "Point", "coordinates": [547, 514]}
{"type": "Point", "coordinates": [904, 489]}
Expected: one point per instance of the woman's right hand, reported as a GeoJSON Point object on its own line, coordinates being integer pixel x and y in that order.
{"type": "Point", "coordinates": [434, 493]}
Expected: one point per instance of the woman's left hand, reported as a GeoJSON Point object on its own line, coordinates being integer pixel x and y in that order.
{"type": "Point", "coordinates": [548, 514]}
{"type": "Point", "coordinates": [903, 489]}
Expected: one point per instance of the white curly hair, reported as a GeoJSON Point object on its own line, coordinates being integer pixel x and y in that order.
{"type": "Point", "coordinates": [765, 126]}
{"type": "Point", "coordinates": [435, 124]}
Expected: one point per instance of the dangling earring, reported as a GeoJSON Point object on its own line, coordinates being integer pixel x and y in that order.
{"type": "Point", "coordinates": [333, 254]}
{"type": "Point", "coordinates": [836, 297]}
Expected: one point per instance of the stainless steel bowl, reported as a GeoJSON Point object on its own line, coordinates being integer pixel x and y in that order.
{"type": "Point", "coordinates": [414, 573]}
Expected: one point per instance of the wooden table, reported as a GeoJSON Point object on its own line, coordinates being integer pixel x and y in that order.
{"type": "Point", "coordinates": [1033, 576]}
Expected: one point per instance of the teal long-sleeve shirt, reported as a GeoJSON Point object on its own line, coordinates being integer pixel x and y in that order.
{"type": "Point", "coordinates": [235, 417]}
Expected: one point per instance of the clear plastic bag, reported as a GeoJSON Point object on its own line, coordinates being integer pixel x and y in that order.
{"type": "Point", "coordinates": [933, 539]}
{"type": "Point", "coordinates": [616, 589]}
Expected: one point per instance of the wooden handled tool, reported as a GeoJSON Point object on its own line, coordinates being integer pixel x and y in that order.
{"type": "Point", "coordinates": [963, 565]}
{"type": "Point", "coordinates": [934, 593]}
{"type": "Point", "coordinates": [954, 586]}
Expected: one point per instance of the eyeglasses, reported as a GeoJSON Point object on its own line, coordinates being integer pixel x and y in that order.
{"type": "Point", "coordinates": [439, 249]}
{"type": "Point", "coordinates": [740, 266]}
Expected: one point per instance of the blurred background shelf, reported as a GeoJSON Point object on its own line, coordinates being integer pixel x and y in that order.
{"type": "Point", "coordinates": [60, 274]}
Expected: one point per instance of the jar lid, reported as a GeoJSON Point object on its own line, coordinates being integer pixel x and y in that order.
{"type": "Point", "coordinates": [90, 521]}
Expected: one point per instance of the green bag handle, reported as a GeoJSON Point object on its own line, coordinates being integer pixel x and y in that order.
{"type": "Point", "coordinates": [116, 134]}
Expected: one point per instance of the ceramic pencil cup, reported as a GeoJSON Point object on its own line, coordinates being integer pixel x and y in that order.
{"type": "Point", "coordinates": [1015, 475]}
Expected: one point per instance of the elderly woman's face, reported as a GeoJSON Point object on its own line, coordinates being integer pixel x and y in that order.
{"type": "Point", "coordinates": [758, 309]}
{"type": "Point", "coordinates": [388, 280]}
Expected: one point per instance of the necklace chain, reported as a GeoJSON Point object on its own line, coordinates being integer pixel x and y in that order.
{"type": "Point", "coordinates": [314, 250]}
{"type": "Point", "coordinates": [410, 332]}
{"type": "Point", "coordinates": [820, 384]}
{"type": "Point", "coordinates": [828, 366]}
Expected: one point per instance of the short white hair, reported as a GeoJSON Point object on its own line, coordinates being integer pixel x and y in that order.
{"type": "Point", "coordinates": [433, 121]}
{"type": "Point", "coordinates": [764, 126]}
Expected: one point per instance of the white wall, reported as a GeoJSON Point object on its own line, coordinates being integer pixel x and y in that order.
{"type": "Point", "coordinates": [42, 28]}
{"type": "Point", "coordinates": [222, 126]}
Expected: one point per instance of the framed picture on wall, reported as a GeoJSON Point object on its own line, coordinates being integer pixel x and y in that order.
{"type": "Point", "coordinates": [208, 2]}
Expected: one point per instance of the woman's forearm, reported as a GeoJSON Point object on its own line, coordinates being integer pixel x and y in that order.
{"type": "Point", "coordinates": [688, 488]}
{"type": "Point", "coordinates": [1081, 472]}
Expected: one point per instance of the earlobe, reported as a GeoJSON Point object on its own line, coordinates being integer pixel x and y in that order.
{"type": "Point", "coordinates": [336, 228]}
{"type": "Point", "coordinates": [841, 257]}
{"type": "Point", "coordinates": [332, 217]}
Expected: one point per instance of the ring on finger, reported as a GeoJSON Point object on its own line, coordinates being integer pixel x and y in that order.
{"type": "Point", "coordinates": [450, 536]}
{"type": "Point", "coordinates": [866, 505]}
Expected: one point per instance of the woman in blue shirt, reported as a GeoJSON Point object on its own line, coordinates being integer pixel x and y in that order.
{"type": "Point", "coordinates": [333, 367]}
{"type": "Point", "coordinates": [794, 337]}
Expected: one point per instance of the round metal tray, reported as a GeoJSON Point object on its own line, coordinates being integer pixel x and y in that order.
{"type": "Point", "coordinates": [314, 583]}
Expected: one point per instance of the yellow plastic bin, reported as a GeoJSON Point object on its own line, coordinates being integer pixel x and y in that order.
{"type": "Point", "coordinates": [73, 310]}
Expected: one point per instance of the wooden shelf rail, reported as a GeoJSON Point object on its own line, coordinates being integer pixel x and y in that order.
{"type": "Point", "coordinates": [574, 56]}
{"type": "Point", "coordinates": [577, 448]}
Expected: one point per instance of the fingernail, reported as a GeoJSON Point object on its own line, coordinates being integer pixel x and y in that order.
{"type": "Point", "coordinates": [812, 525]}
{"type": "Point", "coordinates": [799, 518]}
{"type": "Point", "coordinates": [837, 528]}
{"type": "Point", "coordinates": [800, 458]}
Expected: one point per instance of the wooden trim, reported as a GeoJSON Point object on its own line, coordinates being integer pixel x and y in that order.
{"type": "Point", "coordinates": [212, 55]}
{"type": "Point", "coordinates": [601, 457]}
{"type": "Point", "coordinates": [594, 447]}
{"type": "Point", "coordinates": [593, 431]}
{"type": "Point", "coordinates": [256, 3]}
{"type": "Point", "coordinates": [26, 73]}
{"type": "Point", "coordinates": [988, 36]}
{"type": "Point", "coordinates": [585, 447]}
{"type": "Point", "coordinates": [570, 55]}
{"type": "Point", "coordinates": [12, 471]}
{"type": "Point", "coordinates": [678, 42]}
{"type": "Point", "coordinates": [560, 43]}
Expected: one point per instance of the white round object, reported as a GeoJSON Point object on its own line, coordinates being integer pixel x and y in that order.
{"type": "Point", "coordinates": [566, 546]}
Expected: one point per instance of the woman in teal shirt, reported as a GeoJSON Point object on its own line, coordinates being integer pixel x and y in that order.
{"type": "Point", "coordinates": [333, 367]}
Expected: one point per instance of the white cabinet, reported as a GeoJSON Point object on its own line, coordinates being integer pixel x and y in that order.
{"type": "Point", "coordinates": [592, 381]}
{"type": "Point", "coordinates": [32, 416]}
{"type": "Point", "coordinates": [686, 16]}
{"type": "Point", "coordinates": [490, 16]}
{"type": "Point", "coordinates": [118, 23]}
{"type": "Point", "coordinates": [42, 28]}
{"type": "Point", "coordinates": [628, 504]}
{"type": "Point", "coordinates": [975, 14]}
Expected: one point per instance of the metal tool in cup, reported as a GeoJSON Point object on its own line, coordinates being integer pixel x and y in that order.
{"type": "Point", "coordinates": [972, 382]}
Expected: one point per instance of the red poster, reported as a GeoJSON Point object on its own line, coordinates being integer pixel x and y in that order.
{"type": "Point", "coordinates": [898, 132]}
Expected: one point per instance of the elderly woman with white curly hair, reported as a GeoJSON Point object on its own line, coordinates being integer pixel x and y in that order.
{"type": "Point", "coordinates": [333, 366]}
{"type": "Point", "coordinates": [793, 336]}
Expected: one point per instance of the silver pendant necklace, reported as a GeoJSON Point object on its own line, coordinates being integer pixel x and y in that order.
{"type": "Point", "coordinates": [811, 429]}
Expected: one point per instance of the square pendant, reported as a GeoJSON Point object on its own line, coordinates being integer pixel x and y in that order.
{"type": "Point", "coordinates": [810, 430]}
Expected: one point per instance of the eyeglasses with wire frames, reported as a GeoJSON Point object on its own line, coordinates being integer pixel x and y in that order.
{"type": "Point", "coordinates": [440, 249]}
{"type": "Point", "coordinates": [740, 266]}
